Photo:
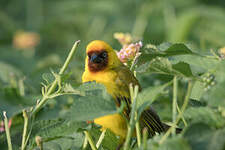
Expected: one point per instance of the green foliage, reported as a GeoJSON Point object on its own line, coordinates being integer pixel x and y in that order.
{"type": "Point", "coordinates": [27, 74]}
{"type": "Point", "coordinates": [210, 139]}
{"type": "Point", "coordinates": [99, 102]}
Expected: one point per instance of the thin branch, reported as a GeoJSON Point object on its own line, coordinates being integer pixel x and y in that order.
{"type": "Point", "coordinates": [174, 114]}
{"type": "Point", "coordinates": [101, 138]}
{"type": "Point", "coordinates": [190, 86]}
{"type": "Point", "coordinates": [24, 129]}
{"type": "Point", "coordinates": [7, 131]}
{"type": "Point", "coordinates": [90, 140]}
{"type": "Point", "coordinates": [131, 124]}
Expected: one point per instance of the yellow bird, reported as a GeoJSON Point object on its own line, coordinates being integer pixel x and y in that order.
{"type": "Point", "coordinates": [103, 66]}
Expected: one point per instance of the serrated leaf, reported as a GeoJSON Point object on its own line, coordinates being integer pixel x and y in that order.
{"type": "Point", "coordinates": [164, 66]}
{"type": "Point", "coordinates": [95, 103]}
{"type": "Point", "coordinates": [56, 128]}
{"type": "Point", "coordinates": [199, 62]}
{"type": "Point", "coordinates": [178, 49]}
{"type": "Point", "coordinates": [183, 68]}
{"type": "Point", "coordinates": [205, 115]}
{"type": "Point", "coordinates": [164, 50]}
{"type": "Point", "coordinates": [72, 142]}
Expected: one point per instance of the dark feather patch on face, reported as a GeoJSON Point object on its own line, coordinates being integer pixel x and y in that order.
{"type": "Point", "coordinates": [97, 60]}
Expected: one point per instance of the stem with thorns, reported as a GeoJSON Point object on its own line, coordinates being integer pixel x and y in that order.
{"type": "Point", "coordinates": [54, 84]}
{"type": "Point", "coordinates": [46, 97]}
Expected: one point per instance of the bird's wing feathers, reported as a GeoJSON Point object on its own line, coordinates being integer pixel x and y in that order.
{"type": "Point", "coordinates": [148, 118]}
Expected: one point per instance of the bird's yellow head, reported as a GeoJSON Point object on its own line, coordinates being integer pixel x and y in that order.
{"type": "Point", "coordinates": [100, 56]}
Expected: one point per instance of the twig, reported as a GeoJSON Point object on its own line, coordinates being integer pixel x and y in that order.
{"type": "Point", "coordinates": [131, 124]}
{"type": "Point", "coordinates": [24, 129]}
{"type": "Point", "coordinates": [101, 138]}
{"type": "Point", "coordinates": [145, 136]}
{"type": "Point", "coordinates": [7, 131]}
{"type": "Point", "coordinates": [90, 140]}
{"type": "Point", "coordinates": [85, 143]}
{"type": "Point", "coordinates": [138, 132]}
{"type": "Point", "coordinates": [184, 121]}
{"type": "Point", "coordinates": [190, 85]}
{"type": "Point", "coordinates": [174, 114]}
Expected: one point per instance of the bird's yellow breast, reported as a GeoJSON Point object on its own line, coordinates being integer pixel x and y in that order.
{"type": "Point", "coordinates": [115, 122]}
{"type": "Point", "coordinates": [107, 78]}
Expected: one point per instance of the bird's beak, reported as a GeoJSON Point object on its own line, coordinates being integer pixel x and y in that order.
{"type": "Point", "coordinates": [95, 58]}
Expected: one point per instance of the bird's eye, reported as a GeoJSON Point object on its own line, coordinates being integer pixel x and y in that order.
{"type": "Point", "coordinates": [104, 54]}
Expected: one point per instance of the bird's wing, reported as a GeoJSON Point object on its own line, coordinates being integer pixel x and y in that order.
{"type": "Point", "coordinates": [148, 118]}
{"type": "Point", "coordinates": [123, 80]}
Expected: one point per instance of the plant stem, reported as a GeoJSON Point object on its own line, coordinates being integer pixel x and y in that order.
{"type": "Point", "coordinates": [138, 132]}
{"type": "Point", "coordinates": [48, 93]}
{"type": "Point", "coordinates": [90, 140]}
{"type": "Point", "coordinates": [190, 86]}
{"type": "Point", "coordinates": [174, 114]}
{"type": "Point", "coordinates": [101, 138]}
{"type": "Point", "coordinates": [184, 121]}
{"type": "Point", "coordinates": [7, 131]}
{"type": "Point", "coordinates": [145, 136]}
{"type": "Point", "coordinates": [24, 129]}
{"type": "Point", "coordinates": [85, 143]}
{"type": "Point", "coordinates": [131, 124]}
{"type": "Point", "coordinates": [54, 84]}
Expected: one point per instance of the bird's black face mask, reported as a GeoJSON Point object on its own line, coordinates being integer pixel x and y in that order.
{"type": "Point", "coordinates": [97, 60]}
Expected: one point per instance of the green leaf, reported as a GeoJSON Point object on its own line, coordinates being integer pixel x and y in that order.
{"type": "Point", "coordinates": [183, 68]}
{"type": "Point", "coordinates": [163, 50]}
{"type": "Point", "coordinates": [201, 136]}
{"type": "Point", "coordinates": [200, 63]}
{"type": "Point", "coordinates": [164, 66]}
{"type": "Point", "coordinates": [73, 142]}
{"type": "Point", "coordinates": [197, 91]}
{"type": "Point", "coordinates": [148, 96]}
{"type": "Point", "coordinates": [110, 141]}
{"type": "Point", "coordinates": [205, 115]}
{"type": "Point", "coordinates": [56, 128]}
{"type": "Point", "coordinates": [178, 49]}
{"type": "Point", "coordinates": [95, 103]}
{"type": "Point", "coordinates": [215, 95]}
{"type": "Point", "coordinates": [175, 143]}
